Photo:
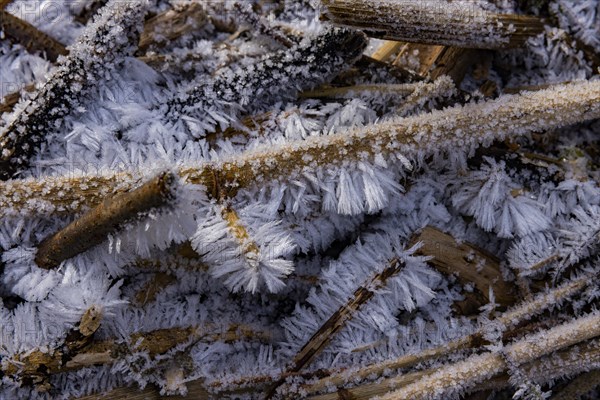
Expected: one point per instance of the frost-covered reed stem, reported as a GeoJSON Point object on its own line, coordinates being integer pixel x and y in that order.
{"type": "Point", "coordinates": [460, 376]}
{"type": "Point", "coordinates": [112, 36]}
{"type": "Point", "coordinates": [344, 92]}
{"type": "Point", "coordinates": [35, 365]}
{"type": "Point", "coordinates": [345, 313]}
{"type": "Point", "coordinates": [561, 364]}
{"type": "Point", "coordinates": [280, 74]}
{"type": "Point", "coordinates": [508, 319]}
{"type": "Point", "coordinates": [461, 127]}
{"type": "Point", "coordinates": [110, 216]}
{"type": "Point", "coordinates": [461, 24]}
{"type": "Point", "coordinates": [30, 37]}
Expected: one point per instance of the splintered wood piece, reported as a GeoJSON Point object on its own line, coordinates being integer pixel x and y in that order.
{"type": "Point", "coordinates": [32, 367]}
{"type": "Point", "coordinates": [172, 24]}
{"type": "Point", "coordinates": [345, 313]}
{"type": "Point", "coordinates": [426, 54]}
{"type": "Point", "coordinates": [454, 62]}
{"type": "Point", "coordinates": [450, 24]}
{"type": "Point", "coordinates": [112, 215]}
{"type": "Point", "coordinates": [386, 50]}
{"type": "Point", "coordinates": [30, 37]}
{"type": "Point", "coordinates": [79, 351]}
{"type": "Point", "coordinates": [470, 264]}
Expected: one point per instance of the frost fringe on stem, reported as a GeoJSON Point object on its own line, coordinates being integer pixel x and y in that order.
{"type": "Point", "coordinates": [396, 140]}
{"type": "Point", "coordinates": [559, 365]}
{"type": "Point", "coordinates": [209, 104]}
{"type": "Point", "coordinates": [458, 377]}
{"type": "Point", "coordinates": [105, 42]}
{"type": "Point", "coordinates": [508, 320]}
{"type": "Point", "coordinates": [461, 24]}
{"type": "Point", "coordinates": [325, 333]}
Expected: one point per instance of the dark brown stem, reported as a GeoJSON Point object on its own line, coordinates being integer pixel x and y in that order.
{"type": "Point", "coordinates": [30, 37]}
{"type": "Point", "coordinates": [110, 216]}
{"type": "Point", "coordinates": [345, 313]}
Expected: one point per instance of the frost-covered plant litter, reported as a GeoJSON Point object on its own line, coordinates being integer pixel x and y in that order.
{"type": "Point", "coordinates": [260, 199]}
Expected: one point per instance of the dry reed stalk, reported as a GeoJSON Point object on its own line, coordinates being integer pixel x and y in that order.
{"type": "Point", "coordinates": [430, 22]}
{"type": "Point", "coordinates": [456, 127]}
{"type": "Point", "coordinates": [111, 216]}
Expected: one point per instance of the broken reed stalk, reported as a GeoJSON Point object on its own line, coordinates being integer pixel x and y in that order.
{"type": "Point", "coordinates": [112, 215]}
{"type": "Point", "coordinates": [510, 318]}
{"type": "Point", "coordinates": [433, 22]}
{"type": "Point", "coordinates": [30, 37]}
{"type": "Point", "coordinates": [438, 131]}
{"type": "Point", "coordinates": [39, 364]}
{"type": "Point", "coordinates": [463, 375]}
{"type": "Point", "coordinates": [337, 321]}
{"type": "Point", "coordinates": [469, 263]}
{"type": "Point", "coordinates": [89, 59]}
{"type": "Point", "coordinates": [32, 367]}
{"type": "Point", "coordinates": [561, 364]}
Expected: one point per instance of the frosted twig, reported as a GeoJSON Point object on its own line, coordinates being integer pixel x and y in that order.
{"type": "Point", "coordinates": [30, 37]}
{"type": "Point", "coordinates": [451, 24]}
{"type": "Point", "coordinates": [510, 318]}
{"type": "Point", "coordinates": [561, 364]}
{"type": "Point", "coordinates": [277, 75]}
{"type": "Point", "coordinates": [154, 343]}
{"type": "Point", "coordinates": [463, 375]}
{"type": "Point", "coordinates": [343, 92]}
{"type": "Point", "coordinates": [457, 127]}
{"type": "Point", "coordinates": [345, 313]}
{"type": "Point", "coordinates": [89, 59]}
{"type": "Point", "coordinates": [110, 216]}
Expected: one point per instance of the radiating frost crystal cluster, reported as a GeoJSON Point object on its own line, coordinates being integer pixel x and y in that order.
{"type": "Point", "coordinates": [264, 199]}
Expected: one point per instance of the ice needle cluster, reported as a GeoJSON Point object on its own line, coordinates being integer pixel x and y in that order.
{"type": "Point", "coordinates": [252, 199]}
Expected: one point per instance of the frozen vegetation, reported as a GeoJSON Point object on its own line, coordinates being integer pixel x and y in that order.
{"type": "Point", "coordinates": [283, 199]}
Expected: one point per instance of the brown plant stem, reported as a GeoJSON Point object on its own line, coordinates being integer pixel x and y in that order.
{"type": "Point", "coordinates": [469, 125]}
{"type": "Point", "coordinates": [574, 359]}
{"type": "Point", "coordinates": [110, 216]}
{"type": "Point", "coordinates": [330, 327]}
{"type": "Point", "coordinates": [478, 368]}
{"type": "Point", "coordinates": [459, 24]}
{"type": "Point", "coordinates": [30, 37]}
{"type": "Point", "coordinates": [469, 263]}
{"type": "Point", "coordinates": [510, 318]}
